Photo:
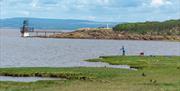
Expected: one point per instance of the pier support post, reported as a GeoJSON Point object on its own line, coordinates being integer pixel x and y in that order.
{"type": "Point", "coordinates": [45, 34]}
{"type": "Point", "coordinates": [36, 33]}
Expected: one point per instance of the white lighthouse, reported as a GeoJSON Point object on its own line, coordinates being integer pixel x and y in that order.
{"type": "Point", "coordinates": [107, 26]}
{"type": "Point", "coordinates": [25, 29]}
{"type": "Point", "coordinates": [25, 34]}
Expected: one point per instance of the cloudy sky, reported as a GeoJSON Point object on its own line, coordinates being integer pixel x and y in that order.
{"type": "Point", "coordinates": [97, 10]}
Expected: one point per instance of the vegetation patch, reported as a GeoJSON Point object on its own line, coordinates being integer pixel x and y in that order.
{"type": "Point", "coordinates": [170, 27]}
{"type": "Point", "coordinates": [68, 73]}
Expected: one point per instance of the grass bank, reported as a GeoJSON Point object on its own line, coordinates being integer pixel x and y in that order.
{"type": "Point", "coordinates": [157, 73]}
{"type": "Point", "coordinates": [140, 61]}
{"type": "Point", "coordinates": [78, 73]}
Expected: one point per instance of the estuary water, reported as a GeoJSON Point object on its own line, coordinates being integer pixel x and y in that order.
{"type": "Point", "coordinates": [26, 79]}
{"type": "Point", "coordinates": [16, 51]}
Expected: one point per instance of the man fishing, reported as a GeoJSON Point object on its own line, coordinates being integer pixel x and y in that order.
{"type": "Point", "coordinates": [123, 51]}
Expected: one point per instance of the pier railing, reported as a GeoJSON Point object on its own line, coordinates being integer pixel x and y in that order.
{"type": "Point", "coordinates": [47, 32]}
{"type": "Point", "coordinates": [40, 33]}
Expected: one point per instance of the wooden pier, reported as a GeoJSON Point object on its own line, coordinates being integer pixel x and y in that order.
{"type": "Point", "coordinates": [27, 31]}
{"type": "Point", "coordinates": [42, 33]}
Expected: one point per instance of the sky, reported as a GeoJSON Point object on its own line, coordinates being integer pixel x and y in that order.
{"type": "Point", "coordinates": [95, 10]}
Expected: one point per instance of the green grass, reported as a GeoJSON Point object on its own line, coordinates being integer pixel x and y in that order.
{"type": "Point", "coordinates": [157, 74]}
{"type": "Point", "coordinates": [140, 61]}
{"type": "Point", "coordinates": [68, 73]}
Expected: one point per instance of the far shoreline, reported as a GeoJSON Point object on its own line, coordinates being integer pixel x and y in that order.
{"type": "Point", "coordinates": [109, 34]}
{"type": "Point", "coordinates": [74, 31]}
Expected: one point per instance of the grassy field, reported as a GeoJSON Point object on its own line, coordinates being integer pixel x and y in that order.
{"type": "Point", "coordinates": [154, 74]}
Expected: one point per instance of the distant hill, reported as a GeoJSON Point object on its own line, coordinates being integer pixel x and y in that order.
{"type": "Point", "coordinates": [169, 27]}
{"type": "Point", "coordinates": [66, 24]}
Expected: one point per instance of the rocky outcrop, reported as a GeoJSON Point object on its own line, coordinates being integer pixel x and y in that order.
{"type": "Point", "coordinates": [99, 33]}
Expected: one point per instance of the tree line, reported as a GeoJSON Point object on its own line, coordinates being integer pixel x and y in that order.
{"type": "Point", "coordinates": [169, 27]}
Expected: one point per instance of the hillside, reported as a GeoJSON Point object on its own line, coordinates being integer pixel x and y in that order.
{"type": "Point", "coordinates": [66, 24]}
{"type": "Point", "coordinates": [102, 33]}
{"type": "Point", "coordinates": [170, 27]}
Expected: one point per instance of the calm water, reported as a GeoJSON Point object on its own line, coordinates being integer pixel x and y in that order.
{"type": "Point", "coordinates": [26, 79]}
{"type": "Point", "coordinates": [40, 52]}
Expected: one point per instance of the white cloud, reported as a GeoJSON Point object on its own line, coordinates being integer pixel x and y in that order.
{"type": "Point", "coordinates": [25, 13]}
{"type": "Point", "coordinates": [34, 3]}
{"type": "Point", "coordinates": [91, 17]}
{"type": "Point", "coordinates": [103, 2]}
{"type": "Point", "coordinates": [158, 3]}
